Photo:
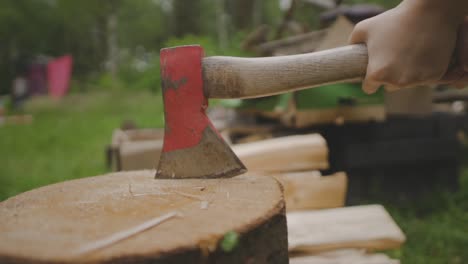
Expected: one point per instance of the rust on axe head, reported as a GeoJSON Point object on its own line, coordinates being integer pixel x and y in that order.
{"type": "Point", "coordinates": [192, 148]}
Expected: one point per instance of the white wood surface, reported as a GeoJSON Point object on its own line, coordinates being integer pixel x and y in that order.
{"type": "Point", "coordinates": [309, 190]}
{"type": "Point", "coordinates": [344, 256]}
{"type": "Point", "coordinates": [291, 153]}
{"type": "Point", "coordinates": [369, 227]}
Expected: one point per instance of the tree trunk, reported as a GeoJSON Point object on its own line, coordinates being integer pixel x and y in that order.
{"type": "Point", "coordinates": [222, 26]}
{"type": "Point", "coordinates": [112, 45]}
{"type": "Point", "coordinates": [186, 15]}
{"type": "Point", "coordinates": [242, 13]}
{"type": "Point", "coordinates": [257, 13]}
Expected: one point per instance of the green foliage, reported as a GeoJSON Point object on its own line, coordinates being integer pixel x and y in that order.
{"type": "Point", "coordinates": [142, 23]}
{"type": "Point", "coordinates": [133, 75]}
{"type": "Point", "coordinates": [143, 72]}
{"type": "Point", "coordinates": [210, 45]}
{"type": "Point", "coordinates": [107, 82]}
{"type": "Point", "coordinates": [80, 28]}
{"type": "Point", "coordinates": [6, 105]}
{"type": "Point", "coordinates": [139, 74]}
{"type": "Point", "coordinates": [150, 78]}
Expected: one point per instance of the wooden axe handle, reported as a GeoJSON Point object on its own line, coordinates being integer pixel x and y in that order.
{"type": "Point", "coordinates": [232, 77]}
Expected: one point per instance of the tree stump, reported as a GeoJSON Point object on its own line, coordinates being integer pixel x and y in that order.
{"type": "Point", "coordinates": [105, 219]}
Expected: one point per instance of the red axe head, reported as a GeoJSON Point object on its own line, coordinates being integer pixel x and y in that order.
{"type": "Point", "coordinates": [192, 148]}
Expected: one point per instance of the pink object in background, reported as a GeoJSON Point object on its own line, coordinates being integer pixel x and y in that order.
{"type": "Point", "coordinates": [58, 75]}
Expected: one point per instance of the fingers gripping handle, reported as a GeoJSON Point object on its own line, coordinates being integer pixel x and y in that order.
{"type": "Point", "coordinates": [232, 77]}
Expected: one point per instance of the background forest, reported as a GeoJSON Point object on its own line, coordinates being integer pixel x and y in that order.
{"type": "Point", "coordinates": [120, 40]}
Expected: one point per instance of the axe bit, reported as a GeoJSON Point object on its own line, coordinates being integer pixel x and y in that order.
{"type": "Point", "coordinates": [192, 147]}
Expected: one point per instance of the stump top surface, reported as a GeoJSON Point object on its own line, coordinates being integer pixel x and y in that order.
{"type": "Point", "coordinates": [52, 223]}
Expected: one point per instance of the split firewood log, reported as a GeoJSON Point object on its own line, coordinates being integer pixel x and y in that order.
{"type": "Point", "coordinates": [309, 190]}
{"type": "Point", "coordinates": [368, 227]}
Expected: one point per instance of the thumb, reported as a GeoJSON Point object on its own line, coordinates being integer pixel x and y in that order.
{"type": "Point", "coordinates": [359, 34]}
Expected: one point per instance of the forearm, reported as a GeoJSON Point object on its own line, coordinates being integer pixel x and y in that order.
{"type": "Point", "coordinates": [452, 11]}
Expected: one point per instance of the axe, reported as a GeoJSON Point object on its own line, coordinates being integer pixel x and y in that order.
{"type": "Point", "coordinates": [192, 147]}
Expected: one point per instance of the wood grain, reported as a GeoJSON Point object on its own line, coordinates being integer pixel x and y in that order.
{"type": "Point", "coordinates": [291, 153]}
{"type": "Point", "coordinates": [52, 223]}
{"type": "Point", "coordinates": [344, 256]}
{"type": "Point", "coordinates": [309, 190]}
{"type": "Point", "coordinates": [368, 227]}
{"type": "Point", "coordinates": [232, 77]}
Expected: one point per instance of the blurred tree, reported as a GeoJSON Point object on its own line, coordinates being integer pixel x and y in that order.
{"type": "Point", "coordinates": [95, 32]}
{"type": "Point", "coordinates": [222, 24]}
{"type": "Point", "coordinates": [112, 7]}
{"type": "Point", "coordinates": [186, 17]}
{"type": "Point", "coordinates": [19, 24]}
{"type": "Point", "coordinates": [241, 12]}
{"type": "Point", "coordinates": [144, 23]}
{"type": "Point", "coordinates": [87, 29]}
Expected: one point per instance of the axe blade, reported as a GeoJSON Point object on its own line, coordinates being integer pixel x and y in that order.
{"type": "Point", "coordinates": [192, 148]}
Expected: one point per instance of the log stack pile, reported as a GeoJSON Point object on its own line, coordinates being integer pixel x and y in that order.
{"type": "Point", "coordinates": [320, 228]}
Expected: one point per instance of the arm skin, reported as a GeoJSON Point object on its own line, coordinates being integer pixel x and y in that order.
{"type": "Point", "coordinates": [411, 44]}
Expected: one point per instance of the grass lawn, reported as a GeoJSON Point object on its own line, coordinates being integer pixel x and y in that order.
{"type": "Point", "coordinates": [67, 139]}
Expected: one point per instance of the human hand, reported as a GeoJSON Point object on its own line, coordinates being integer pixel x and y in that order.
{"type": "Point", "coordinates": [409, 45]}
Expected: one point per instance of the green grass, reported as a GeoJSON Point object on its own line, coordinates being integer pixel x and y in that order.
{"type": "Point", "coordinates": [67, 140]}
{"type": "Point", "coordinates": [436, 226]}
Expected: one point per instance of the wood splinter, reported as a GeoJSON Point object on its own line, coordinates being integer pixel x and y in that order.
{"type": "Point", "coordinates": [119, 236]}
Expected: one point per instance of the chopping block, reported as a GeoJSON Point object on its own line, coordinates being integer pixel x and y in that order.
{"type": "Point", "coordinates": [129, 217]}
